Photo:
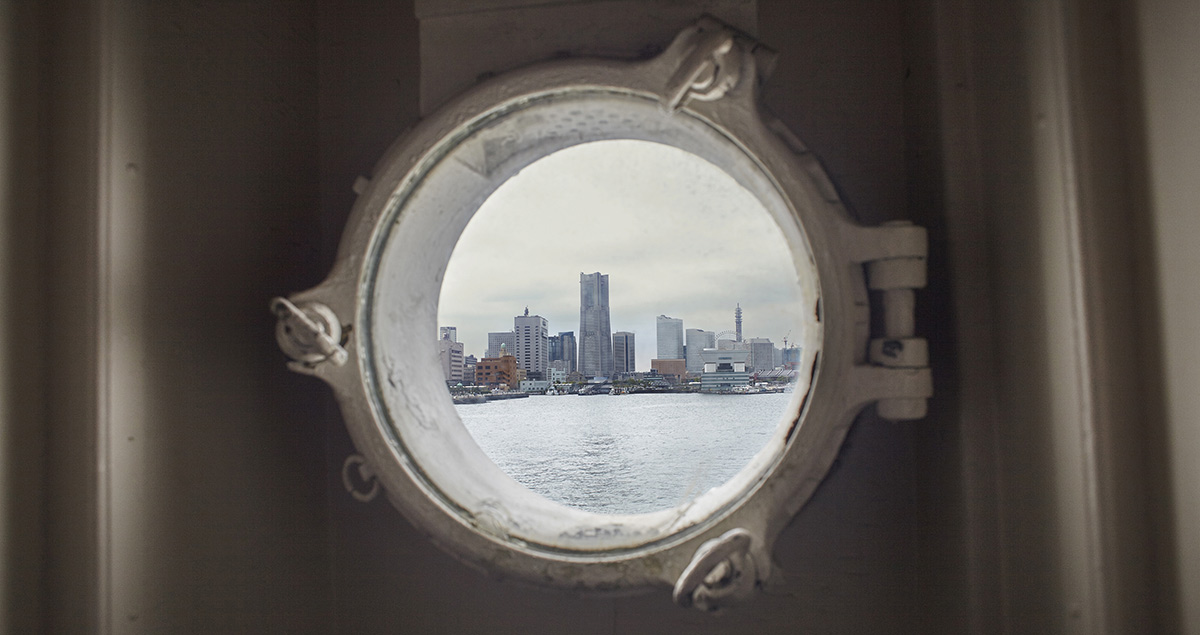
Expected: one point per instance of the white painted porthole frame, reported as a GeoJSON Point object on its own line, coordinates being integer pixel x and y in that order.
{"type": "Point", "coordinates": [369, 329]}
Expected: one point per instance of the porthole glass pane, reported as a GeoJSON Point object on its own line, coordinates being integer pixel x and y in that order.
{"type": "Point", "coordinates": [620, 326]}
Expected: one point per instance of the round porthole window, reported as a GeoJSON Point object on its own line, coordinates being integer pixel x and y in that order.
{"type": "Point", "coordinates": [371, 332]}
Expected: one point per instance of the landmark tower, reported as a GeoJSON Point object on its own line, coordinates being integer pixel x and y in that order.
{"type": "Point", "coordinates": [595, 332]}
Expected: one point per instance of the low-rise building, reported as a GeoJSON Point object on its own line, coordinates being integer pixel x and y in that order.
{"type": "Point", "coordinates": [673, 370]}
{"type": "Point", "coordinates": [494, 371]}
{"type": "Point", "coordinates": [724, 370]}
{"type": "Point", "coordinates": [534, 385]}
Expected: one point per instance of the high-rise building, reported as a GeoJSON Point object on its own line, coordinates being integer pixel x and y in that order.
{"type": "Point", "coordinates": [697, 340]}
{"type": "Point", "coordinates": [762, 354]}
{"type": "Point", "coordinates": [495, 340]}
{"type": "Point", "coordinates": [569, 348]}
{"type": "Point", "coordinates": [532, 346]}
{"type": "Point", "coordinates": [562, 349]}
{"type": "Point", "coordinates": [595, 333]}
{"type": "Point", "coordinates": [448, 331]}
{"type": "Point", "coordinates": [737, 321]}
{"type": "Point", "coordinates": [670, 338]}
{"type": "Point", "coordinates": [451, 353]}
{"type": "Point", "coordinates": [623, 353]}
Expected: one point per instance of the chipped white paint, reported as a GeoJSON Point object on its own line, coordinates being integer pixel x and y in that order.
{"type": "Point", "coordinates": [699, 95]}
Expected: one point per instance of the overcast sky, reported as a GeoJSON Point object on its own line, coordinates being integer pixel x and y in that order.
{"type": "Point", "coordinates": [675, 234]}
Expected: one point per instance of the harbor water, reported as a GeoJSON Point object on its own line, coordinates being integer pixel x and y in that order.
{"type": "Point", "coordinates": [624, 453]}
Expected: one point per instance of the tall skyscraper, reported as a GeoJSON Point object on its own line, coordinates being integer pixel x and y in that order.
{"type": "Point", "coordinates": [533, 349]}
{"type": "Point", "coordinates": [595, 333]}
{"type": "Point", "coordinates": [697, 341]}
{"type": "Point", "coordinates": [670, 338]}
{"type": "Point", "coordinates": [737, 321]}
{"type": "Point", "coordinates": [507, 338]}
{"type": "Point", "coordinates": [623, 353]}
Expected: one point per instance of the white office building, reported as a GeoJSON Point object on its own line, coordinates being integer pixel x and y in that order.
{"type": "Point", "coordinates": [698, 340]}
{"type": "Point", "coordinates": [532, 343]}
{"type": "Point", "coordinates": [451, 354]}
{"type": "Point", "coordinates": [670, 338]}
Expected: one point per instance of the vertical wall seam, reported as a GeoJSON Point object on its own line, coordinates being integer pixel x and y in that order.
{"type": "Point", "coordinates": [104, 201]}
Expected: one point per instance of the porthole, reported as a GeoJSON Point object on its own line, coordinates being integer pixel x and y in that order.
{"type": "Point", "coordinates": [370, 329]}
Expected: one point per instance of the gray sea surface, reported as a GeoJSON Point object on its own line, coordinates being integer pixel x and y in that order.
{"type": "Point", "coordinates": [624, 454]}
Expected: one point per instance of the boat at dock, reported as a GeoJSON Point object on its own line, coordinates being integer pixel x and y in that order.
{"type": "Point", "coordinates": [498, 396]}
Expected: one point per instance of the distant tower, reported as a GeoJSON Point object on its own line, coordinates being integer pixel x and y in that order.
{"type": "Point", "coordinates": [595, 333]}
{"type": "Point", "coordinates": [737, 321]}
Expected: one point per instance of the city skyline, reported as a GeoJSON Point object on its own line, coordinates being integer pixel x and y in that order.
{"type": "Point", "coordinates": [677, 237]}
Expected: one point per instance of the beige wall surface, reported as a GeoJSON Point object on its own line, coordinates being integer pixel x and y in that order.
{"type": "Point", "coordinates": [1169, 33]}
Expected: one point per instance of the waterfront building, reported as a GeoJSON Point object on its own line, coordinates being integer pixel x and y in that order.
{"type": "Point", "coordinates": [724, 370]}
{"type": "Point", "coordinates": [496, 371]}
{"type": "Point", "coordinates": [623, 353]}
{"type": "Point", "coordinates": [737, 321]}
{"type": "Point", "coordinates": [451, 354]}
{"type": "Point", "coordinates": [595, 357]}
{"type": "Point", "coordinates": [673, 370]}
{"type": "Point", "coordinates": [762, 354]}
{"type": "Point", "coordinates": [534, 385]}
{"type": "Point", "coordinates": [696, 341]}
{"type": "Point", "coordinates": [450, 332]}
{"type": "Point", "coordinates": [532, 343]}
{"type": "Point", "coordinates": [506, 340]}
{"type": "Point", "coordinates": [556, 375]}
{"type": "Point", "coordinates": [670, 337]}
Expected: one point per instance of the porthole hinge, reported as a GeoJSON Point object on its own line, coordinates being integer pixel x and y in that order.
{"type": "Point", "coordinates": [897, 277]}
{"type": "Point", "coordinates": [309, 333]}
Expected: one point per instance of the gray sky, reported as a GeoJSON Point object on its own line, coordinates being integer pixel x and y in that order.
{"type": "Point", "coordinates": [675, 234]}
